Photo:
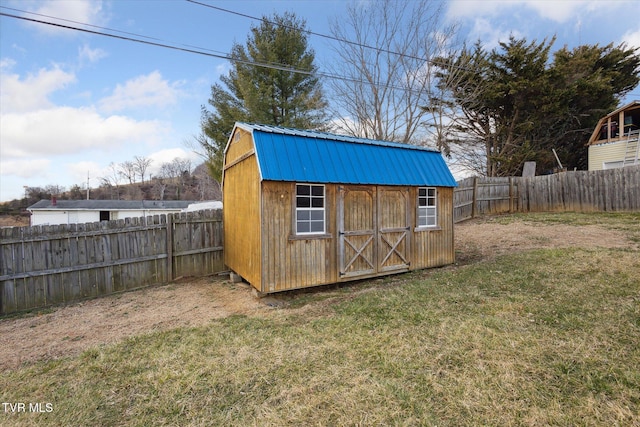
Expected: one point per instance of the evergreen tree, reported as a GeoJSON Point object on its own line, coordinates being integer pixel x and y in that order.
{"type": "Point", "coordinates": [523, 105]}
{"type": "Point", "coordinates": [261, 89]}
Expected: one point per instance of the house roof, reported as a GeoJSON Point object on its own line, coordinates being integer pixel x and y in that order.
{"type": "Point", "coordinates": [309, 156]}
{"type": "Point", "coordinates": [111, 205]}
{"type": "Point", "coordinates": [624, 107]}
{"type": "Point", "coordinates": [594, 139]}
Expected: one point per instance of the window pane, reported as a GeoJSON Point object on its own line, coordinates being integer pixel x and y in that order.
{"type": "Point", "coordinates": [303, 202]}
{"type": "Point", "coordinates": [303, 190]}
{"type": "Point", "coordinates": [431, 202]}
{"type": "Point", "coordinates": [317, 226]}
{"type": "Point", "coordinates": [317, 202]}
{"type": "Point", "coordinates": [317, 215]}
{"type": "Point", "coordinates": [432, 192]}
{"type": "Point", "coordinates": [317, 190]}
{"type": "Point", "coordinates": [422, 201]}
{"type": "Point", "coordinates": [303, 215]}
{"type": "Point", "coordinates": [302, 227]}
{"type": "Point", "coordinates": [422, 192]}
{"type": "Point", "coordinates": [431, 220]}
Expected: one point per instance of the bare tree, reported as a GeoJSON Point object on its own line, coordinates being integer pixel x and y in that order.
{"type": "Point", "coordinates": [389, 67]}
{"type": "Point", "coordinates": [128, 171]}
{"type": "Point", "coordinates": [141, 164]}
{"type": "Point", "coordinates": [159, 188]}
{"type": "Point", "coordinates": [111, 180]}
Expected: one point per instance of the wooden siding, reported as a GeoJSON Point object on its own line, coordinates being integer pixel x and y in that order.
{"type": "Point", "coordinates": [289, 261]}
{"type": "Point", "coordinates": [370, 232]}
{"type": "Point", "coordinates": [241, 201]}
{"type": "Point", "coordinates": [434, 247]}
{"type": "Point", "coordinates": [241, 145]}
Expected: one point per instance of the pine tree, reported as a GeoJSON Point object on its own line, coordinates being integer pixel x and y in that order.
{"type": "Point", "coordinates": [260, 88]}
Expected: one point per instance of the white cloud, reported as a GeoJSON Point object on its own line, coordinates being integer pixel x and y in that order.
{"type": "Point", "coordinates": [79, 171]}
{"type": "Point", "coordinates": [557, 11]}
{"type": "Point", "coordinates": [632, 38]}
{"type": "Point", "coordinates": [490, 34]}
{"type": "Point", "coordinates": [86, 54]}
{"type": "Point", "coordinates": [6, 64]}
{"type": "Point", "coordinates": [166, 156]}
{"type": "Point", "coordinates": [88, 12]}
{"type": "Point", "coordinates": [19, 95]}
{"type": "Point", "coordinates": [144, 91]}
{"type": "Point", "coordinates": [25, 168]}
{"type": "Point", "coordinates": [65, 130]}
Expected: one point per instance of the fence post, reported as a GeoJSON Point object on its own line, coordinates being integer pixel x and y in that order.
{"type": "Point", "coordinates": [510, 194]}
{"type": "Point", "coordinates": [474, 200]}
{"type": "Point", "coordinates": [169, 247]}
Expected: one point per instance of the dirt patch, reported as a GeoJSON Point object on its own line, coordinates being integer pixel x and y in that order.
{"type": "Point", "coordinates": [69, 330]}
{"type": "Point", "coordinates": [482, 239]}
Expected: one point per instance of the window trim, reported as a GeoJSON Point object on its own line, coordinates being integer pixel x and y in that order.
{"type": "Point", "coordinates": [434, 208]}
{"type": "Point", "coordinates": [309, 234]}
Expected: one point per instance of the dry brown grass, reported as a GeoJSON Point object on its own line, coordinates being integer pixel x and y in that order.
{"type": "Point", "coordinates": [539, 337]}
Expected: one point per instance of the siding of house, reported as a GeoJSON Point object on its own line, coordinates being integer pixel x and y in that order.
{"type": "Point", "coordinates": [79, 216]}
{"type": "Point", "coordinates": [241, 213]}
{"type": "Point", "coordinates": [601, 153]}
{"type": "Point", "coordinates": [52, 217]}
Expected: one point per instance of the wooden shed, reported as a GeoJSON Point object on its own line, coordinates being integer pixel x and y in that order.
{"type": "Point", "coordinates": [305, 208]}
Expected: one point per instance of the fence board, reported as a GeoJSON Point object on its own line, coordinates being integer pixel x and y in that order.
{"type": "Point", "coordinates": [580, 191]}
{"type": "Point", "coordinates": [41, 266]}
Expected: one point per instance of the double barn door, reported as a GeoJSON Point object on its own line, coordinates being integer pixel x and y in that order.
{"type": "Point", "coordinates": [374, 230]}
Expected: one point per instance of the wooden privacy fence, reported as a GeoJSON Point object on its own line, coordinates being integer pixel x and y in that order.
{"type": "Point", "coordinates": [45, 265]}
{"type": "Point", "coordinates": [578, 191]}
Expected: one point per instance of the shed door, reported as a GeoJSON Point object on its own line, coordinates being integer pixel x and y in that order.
{"type": "Point", "coordinates": [356, 228]}
{"type": "Point", "coordinates": [393, 229]}
{"type": "Point", "coordinates": [373, 226]}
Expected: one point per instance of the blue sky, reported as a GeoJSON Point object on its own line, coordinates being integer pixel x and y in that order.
{"type": "Point", "coordinates": [73, 102]}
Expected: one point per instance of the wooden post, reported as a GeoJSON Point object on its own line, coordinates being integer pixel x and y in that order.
{"type": "Point", "coordinates": [169, 248]}
{"type": "Point", "coordinates": [510, 194]}
{"type": "Point", "coordinates": [474, 200]}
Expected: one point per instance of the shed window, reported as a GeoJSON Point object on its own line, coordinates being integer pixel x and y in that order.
{"type": "Point", "coordinates": [427, 207]}
{"type": "Point", "coordinates": [310, 213]}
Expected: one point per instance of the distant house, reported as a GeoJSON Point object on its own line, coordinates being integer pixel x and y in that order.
{"type": "Point", "coordinates": [305, 208]}
{"type": "Point", "coordinates": [614, 142]}
{"type": "Point", "coordinates": [54, 212]}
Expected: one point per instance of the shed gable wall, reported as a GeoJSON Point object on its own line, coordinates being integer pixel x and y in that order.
{"type": "Point", "coordinates": [241, 213]}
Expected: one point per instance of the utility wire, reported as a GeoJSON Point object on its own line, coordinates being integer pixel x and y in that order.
{"type": "Point", "coordinates": [341, 40]}
{"type": "Point", "coordinates": [202, 51]}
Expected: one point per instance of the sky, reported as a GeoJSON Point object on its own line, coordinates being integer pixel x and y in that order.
{"type": "Point", "coordinates": [72, 102]}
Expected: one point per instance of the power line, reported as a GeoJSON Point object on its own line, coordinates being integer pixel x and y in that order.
{"type": "Point", "coordinates": [326, 36]}
{"type": "Point", "coordinates": [199, 51]}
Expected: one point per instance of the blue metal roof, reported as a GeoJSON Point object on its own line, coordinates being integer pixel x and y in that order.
{"type": "Point", "coordinates": [308, 156]}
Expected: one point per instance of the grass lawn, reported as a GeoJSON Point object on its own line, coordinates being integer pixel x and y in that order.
{"type": "Point", "coordinates": [545, 337]}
